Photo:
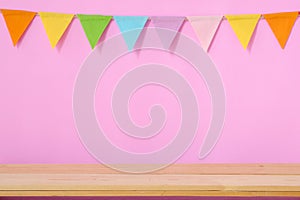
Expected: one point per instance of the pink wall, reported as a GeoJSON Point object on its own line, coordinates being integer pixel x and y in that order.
{"type": "Point", "coordinates": [262, 99]}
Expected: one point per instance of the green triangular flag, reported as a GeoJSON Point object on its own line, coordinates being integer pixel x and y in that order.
{"type": "Point", "coordinates": [94, 26]}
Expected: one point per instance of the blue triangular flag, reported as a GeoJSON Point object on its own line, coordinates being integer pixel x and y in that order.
{"type": "Point", "coordinates": [130, 23]}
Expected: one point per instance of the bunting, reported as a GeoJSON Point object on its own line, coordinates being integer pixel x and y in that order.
{"type": "Point", "coordinates": [281, 25]}
{"type": "Point", "coordinates": [17, 22]}
{"type": "Point", "coordinates": [55, 25]}
{"type": "Point", "coordinates": [94, 26]}
{"type": "Point", "coordinates": [171, 23]}
{"type": "Point", "coordinates": [130, 23]}
{"type": "Point", "coordinates": [205, 28]}
{"type": "Point", "coordinates": [243, 26]}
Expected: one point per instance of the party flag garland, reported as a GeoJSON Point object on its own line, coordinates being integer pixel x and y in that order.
{"type": "Point", "coordinates": [205, 27]}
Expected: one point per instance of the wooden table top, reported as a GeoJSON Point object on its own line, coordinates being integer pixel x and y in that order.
{"type": "Point", "coordinates": [175, 180]}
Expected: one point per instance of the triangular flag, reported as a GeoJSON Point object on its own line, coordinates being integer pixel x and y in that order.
{"type": "Point", "coordinates": [55, 25]}
{"type": "Point", "coordinates": [17, 22]}
{"type": "Point", "coordinates": [94, 26]}
{"type": "Point", "coordinates": [281, 25]}
{"type": "Point", "coordinates": [130, 23]}
{"type": "Point", "coordinates": [206, 28]}
{"type": "Point", "coordinates": [243, 26]}
{"type": "Point", "coordinates": [167, 22]}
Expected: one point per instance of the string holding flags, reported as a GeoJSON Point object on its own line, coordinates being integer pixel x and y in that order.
{"type": "Point", "coordinates": [205, 27]}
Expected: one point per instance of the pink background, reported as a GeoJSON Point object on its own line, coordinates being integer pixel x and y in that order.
{"type": "Point", "coordinates": [36, 84]}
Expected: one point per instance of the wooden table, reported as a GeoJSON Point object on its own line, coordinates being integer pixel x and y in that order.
{"type": "Point", "coordinates": [176, 180]}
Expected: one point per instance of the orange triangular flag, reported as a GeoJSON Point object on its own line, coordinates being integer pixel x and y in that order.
{"type": "Point", "coordinates": [17, 22]}
{"type": "Point", "coordinates": [281, 25]}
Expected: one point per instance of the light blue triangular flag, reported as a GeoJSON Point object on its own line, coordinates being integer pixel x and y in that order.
{"type": "Point", "coordinates": [130, 23]}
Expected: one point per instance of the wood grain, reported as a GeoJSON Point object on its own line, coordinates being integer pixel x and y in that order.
{"type": "Point", "coordinates": [213, 169]}
{"type": "Point", "coordinates": [178, 180]}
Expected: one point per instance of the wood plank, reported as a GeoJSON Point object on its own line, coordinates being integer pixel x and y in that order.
{"type": "Point", "coordinates": [162, 183]}
{"type": "Point", "coordinates": [149, 182]}
{"type": "Point", "coordinates": [198, 180]}
{"type": "Point", "coordinates": [230, 169]}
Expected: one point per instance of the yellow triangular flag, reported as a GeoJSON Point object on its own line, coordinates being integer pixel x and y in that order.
{"type": "Point", "coordinates": [55, 25]}
{"type": "Point", "coordinates": [243, 26]}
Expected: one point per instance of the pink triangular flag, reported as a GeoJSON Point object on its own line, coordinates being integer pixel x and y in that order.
{"type": "Point", "coordinates": [166, 22]}
{"type": "Point", "coordinates": [206, 28]}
